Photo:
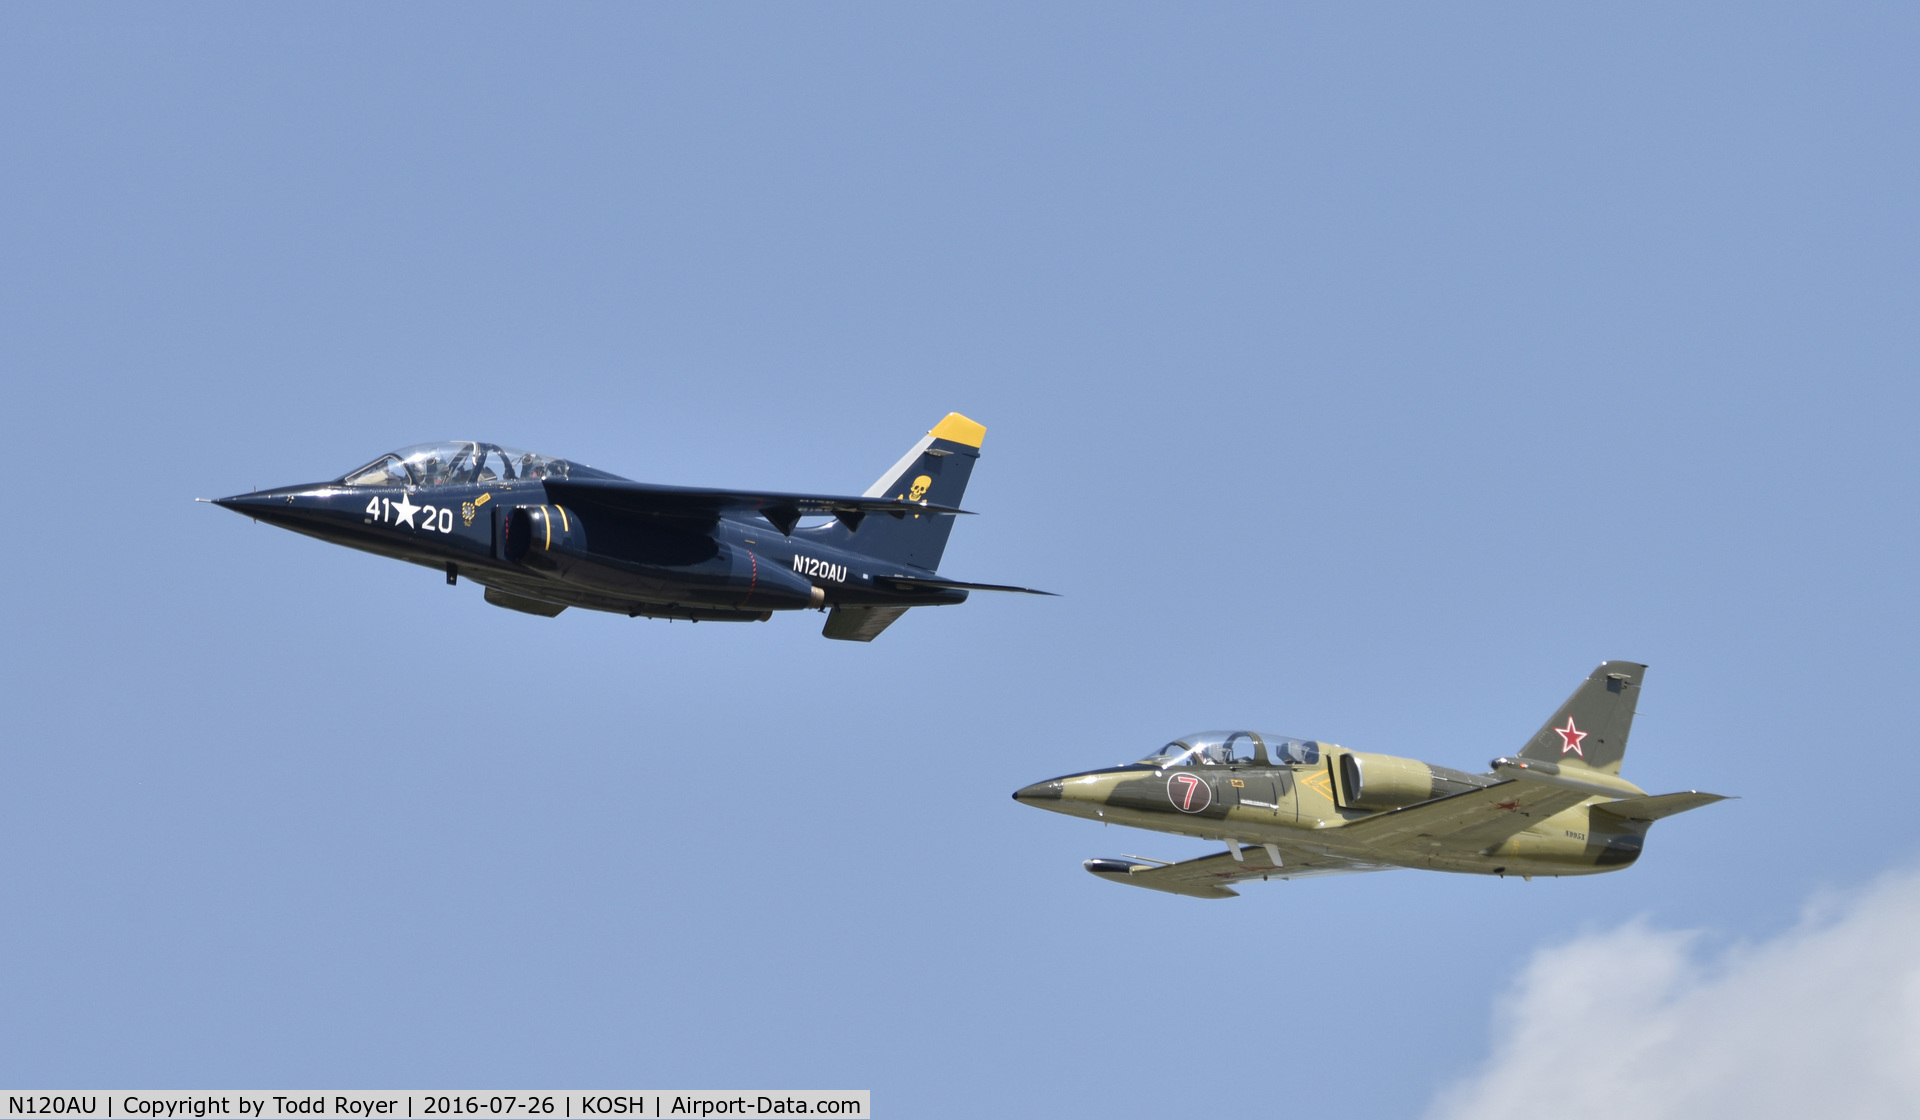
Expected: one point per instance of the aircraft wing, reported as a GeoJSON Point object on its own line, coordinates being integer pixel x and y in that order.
{"type": "Point", "coordinates": [1478, 818]}
{"type": "Point", "coordinates": [1209, 876]}
{"type": "Point", "coordinates": [784, 510]}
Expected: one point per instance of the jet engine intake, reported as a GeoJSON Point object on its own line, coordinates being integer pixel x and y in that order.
{"type": "Point", "coordinates": [1381, 781]}
{"type": "Point", "coordinates": [533, 531]}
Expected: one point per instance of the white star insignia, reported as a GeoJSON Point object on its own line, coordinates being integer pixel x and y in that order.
{"type": "Point", "coordinates": [404, 509]}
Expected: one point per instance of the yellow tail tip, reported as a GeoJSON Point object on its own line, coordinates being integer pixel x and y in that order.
{"type": "Point", "coordinates": [959, 429]}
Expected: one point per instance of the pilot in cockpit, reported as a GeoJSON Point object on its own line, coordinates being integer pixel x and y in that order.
{"type": "Point", "coordinates": [1233, 748]}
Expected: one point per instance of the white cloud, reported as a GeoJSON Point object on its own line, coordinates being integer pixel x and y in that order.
{"type": "Point", "coordinates": [1823, 1020]}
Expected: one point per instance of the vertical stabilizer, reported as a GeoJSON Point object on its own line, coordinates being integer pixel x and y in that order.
{"type": "Point", "coordinates": [935, 470]}
{"type": "Point", "coordinates": [1591, 728]}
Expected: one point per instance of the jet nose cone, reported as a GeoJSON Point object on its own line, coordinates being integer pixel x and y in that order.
{"type": "Point", "coordinates": [1039, 791]}
{"type": "Point", "coordinates": [261, 499]}
{"type": "Point", "coordinates": [284, 505]}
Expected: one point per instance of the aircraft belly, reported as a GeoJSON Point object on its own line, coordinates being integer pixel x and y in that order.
{"type": "Point", "coordinates": [1120, 814]}
{"type": "Point", "coordinates": [363, 540]}
{"type": "Point", "coordinates": [550, 591]}
{"type": "Point", "coordinates": [1248, 828]}
{"type": "Point", "coordinates": [1180, 825]}
{"type": "Point", "coordinates": [553, 591]}
{"type": "Point", "coordinates": [1259, 818]}
{"type": "Point", "coordinates": [1563, 844]}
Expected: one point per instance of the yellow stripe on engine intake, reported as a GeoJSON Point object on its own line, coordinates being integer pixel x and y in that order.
{"type": "Point", "coordinates": [959, 429]}
{"type": "Point", "coordinates": [564, 523]}
{"type": "Point", "coordinates": [546, 518]}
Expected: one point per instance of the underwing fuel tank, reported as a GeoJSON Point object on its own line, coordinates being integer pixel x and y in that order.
{"type": "Point", "coordinates": [615, 556]}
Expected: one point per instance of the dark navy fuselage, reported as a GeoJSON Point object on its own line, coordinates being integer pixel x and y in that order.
{"type": "Point", "coordinates": [542, 534]}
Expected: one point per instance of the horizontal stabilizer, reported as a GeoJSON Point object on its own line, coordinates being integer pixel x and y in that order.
{"type": "Point", "coordinates": [1657, 808]}
{"type": "Point", "coordinates": [783, 510]}
{"type": "Point", "coordinates": [1585, 779]}
{"type": "Point", "coordinates": [921, 583]}
{"type": "Point", "coordinates": [860, 624]}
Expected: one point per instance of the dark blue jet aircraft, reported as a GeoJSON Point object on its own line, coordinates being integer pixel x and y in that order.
{"type": "Point", "coordinates": [545, 534]}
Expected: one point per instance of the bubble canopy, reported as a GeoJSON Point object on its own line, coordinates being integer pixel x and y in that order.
{"type": "Point", "coordinates": [463, 463]}
{"type": "Point", "coordinates": [1225, 748]}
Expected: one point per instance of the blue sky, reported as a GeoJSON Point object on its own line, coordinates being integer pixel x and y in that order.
{"type": "Point", "coordinates": [1364, 374]}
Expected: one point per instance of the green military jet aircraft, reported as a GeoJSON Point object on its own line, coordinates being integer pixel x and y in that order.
{"type": "Point", "coordinates": [1290, 808]}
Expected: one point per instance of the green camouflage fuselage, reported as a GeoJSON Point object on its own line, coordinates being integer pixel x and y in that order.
{"type": "Point", "coordinates": [1288, 808]}
{"type": "Point", "coordinates": [1293, 806]}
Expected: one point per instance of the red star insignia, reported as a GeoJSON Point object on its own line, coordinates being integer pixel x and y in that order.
{"type": "Point", "coordinates": [1571, 736]}
{"type": "Point", "coordinates": [1509, 806]}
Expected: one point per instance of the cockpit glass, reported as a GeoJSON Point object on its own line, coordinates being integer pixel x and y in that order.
{"type": "Point", "coordinates": [461, 463]}
{"type": "Point", "coordinates": [1173, 754]}
{"type": "Point", "coordinates": [384, 471]}
{"type": "Point", "coordinates": [1239, 747]}
{"type": "Point", "coordinates": [495, 466]}
{"type": "Point", "coordinates": [525, 464]}
{"type": "Point", "coordinates": [1235, 748]}
{"type": "Point", "coordinates": [1282, 749]}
